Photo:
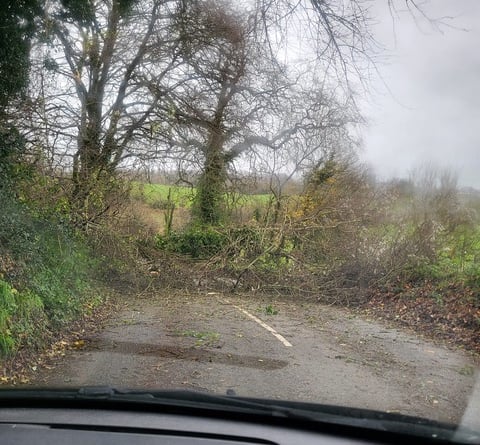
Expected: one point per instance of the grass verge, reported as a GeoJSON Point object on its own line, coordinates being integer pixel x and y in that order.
{"type": "Point", "coordinates": [46, 275]}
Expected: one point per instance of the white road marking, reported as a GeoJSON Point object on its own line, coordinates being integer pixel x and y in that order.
{"type": "Point", "coordinates": [265, 326]}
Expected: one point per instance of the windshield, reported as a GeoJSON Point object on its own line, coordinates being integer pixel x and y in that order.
{"type": "Point", "coordinates": [276, 200]}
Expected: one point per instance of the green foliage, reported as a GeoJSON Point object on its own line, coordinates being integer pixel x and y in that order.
{"type": "Point", "coordinates": [196, 242]}
{"type": "Point", "coordinates": [258, 248]}
{"type": "Point", "coordinates": [43, 197]}
{"type": "Point", "coordinates": [324, 173]}
{"type": "Point", "coordinates": [83, 12]}
{"type": "Point", "coordinates": [45, 274]}
{"type": "Point", "coordinates": [22, 319]}
{"type": "Point", "coordinates": [80, 11]}
{"type": "Point", "coordinates": [60, 273]}
{"type": "Point", "coordinates": [16, 29]}
{"type": "Point", "coordinates": [17, 228]}
{"type": "Point", "coordinates": [10, 147]}
{"type": "Point", "coordinates": [270, 310]}
{"type": "Point", "coordinates": [457, 259]}
{"type": "Point", "coordinates": [210, 204]}
{"type": "Point", "coordinates": [7, 309]}
{"type": "Point", "coordinates": [236, 247]}
{"type": "Point", "coordinates": [95, 197]}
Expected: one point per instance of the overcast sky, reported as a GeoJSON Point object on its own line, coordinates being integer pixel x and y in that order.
{"type": "Point", "coordinates": [433, 113]}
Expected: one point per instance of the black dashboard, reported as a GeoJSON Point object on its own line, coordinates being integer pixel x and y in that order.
{"type": "Point", "coordinates": [23, 425]}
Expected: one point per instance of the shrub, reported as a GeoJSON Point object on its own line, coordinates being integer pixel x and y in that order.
{"type": "Point", "coordinates": [22, 319]}
{"type": "Point", "coordinates": [235, 247]}
{"type": "Point", "coordinates": [196, 242]}
{"type": "Point", "coordinates": [7, 310]}
{"type": "Point", "coordinates": [45, 272]}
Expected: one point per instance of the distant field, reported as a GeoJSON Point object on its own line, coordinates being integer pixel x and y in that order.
{"type": "Point", "coordinates": [156, 195]}
{"type": "Point", "coordinates": [260, 200]}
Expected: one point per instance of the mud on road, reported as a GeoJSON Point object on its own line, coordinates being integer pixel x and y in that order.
{"type": "Point", "coordinates": [217, 343]}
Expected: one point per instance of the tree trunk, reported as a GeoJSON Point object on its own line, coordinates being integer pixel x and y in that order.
{"type": "Point", "coordinates": [209, 206]}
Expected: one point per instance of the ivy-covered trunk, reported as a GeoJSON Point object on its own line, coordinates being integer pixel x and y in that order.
{"type": "Point", "coordinates": [209, 206]}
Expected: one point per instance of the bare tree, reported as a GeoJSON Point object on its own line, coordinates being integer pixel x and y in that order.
{"type": "Point", "coordinates": [118, 80]}
{"type": "Point", "coordinates": [240, 104]}
{"type": "Point", "coordinates": [102, 69]}
{"type": "Point", "coordinates": [225, 90]}
{"type": "Point", "coordinates": [336, 37]}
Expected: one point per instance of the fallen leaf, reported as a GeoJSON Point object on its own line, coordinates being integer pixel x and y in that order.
{"type": "Point", "coordinates": [79, 344]}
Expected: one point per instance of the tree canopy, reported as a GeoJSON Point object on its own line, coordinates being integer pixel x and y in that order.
{"type": "Point", "coordinates": [204, 84]}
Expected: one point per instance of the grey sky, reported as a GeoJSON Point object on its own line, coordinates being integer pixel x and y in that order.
{"type": "Point", "coordinates": [433, 113]}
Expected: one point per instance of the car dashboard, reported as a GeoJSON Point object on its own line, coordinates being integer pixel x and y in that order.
{"type": "Point", "coordinates": [26, 425]}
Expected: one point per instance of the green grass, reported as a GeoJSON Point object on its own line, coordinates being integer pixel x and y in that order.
{"type": "Point", "coordinates": [203, 338]}
{"type": "Point", "coordinates": [22, 319]}
{"type": "Point", "coordinates": [270, 310]}
{"type": "Point", "coordinates": [459, 258]}
{"type": "Point", "coordinates": [157, 195]}
{"type": "Point", "coordinates": [261, 200]}
{"type": "Point", "coordinates": [45, 276]}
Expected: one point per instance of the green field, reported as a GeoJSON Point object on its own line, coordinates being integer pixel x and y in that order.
{"type": "Point", "coordinates": [158, 196]}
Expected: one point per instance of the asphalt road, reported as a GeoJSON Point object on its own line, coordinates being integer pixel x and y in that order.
{"type": "Point", "coordinates": [262, 347]}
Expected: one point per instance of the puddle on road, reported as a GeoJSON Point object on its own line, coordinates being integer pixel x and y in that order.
{"type": "Point", "coordinates": [195, 354]}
